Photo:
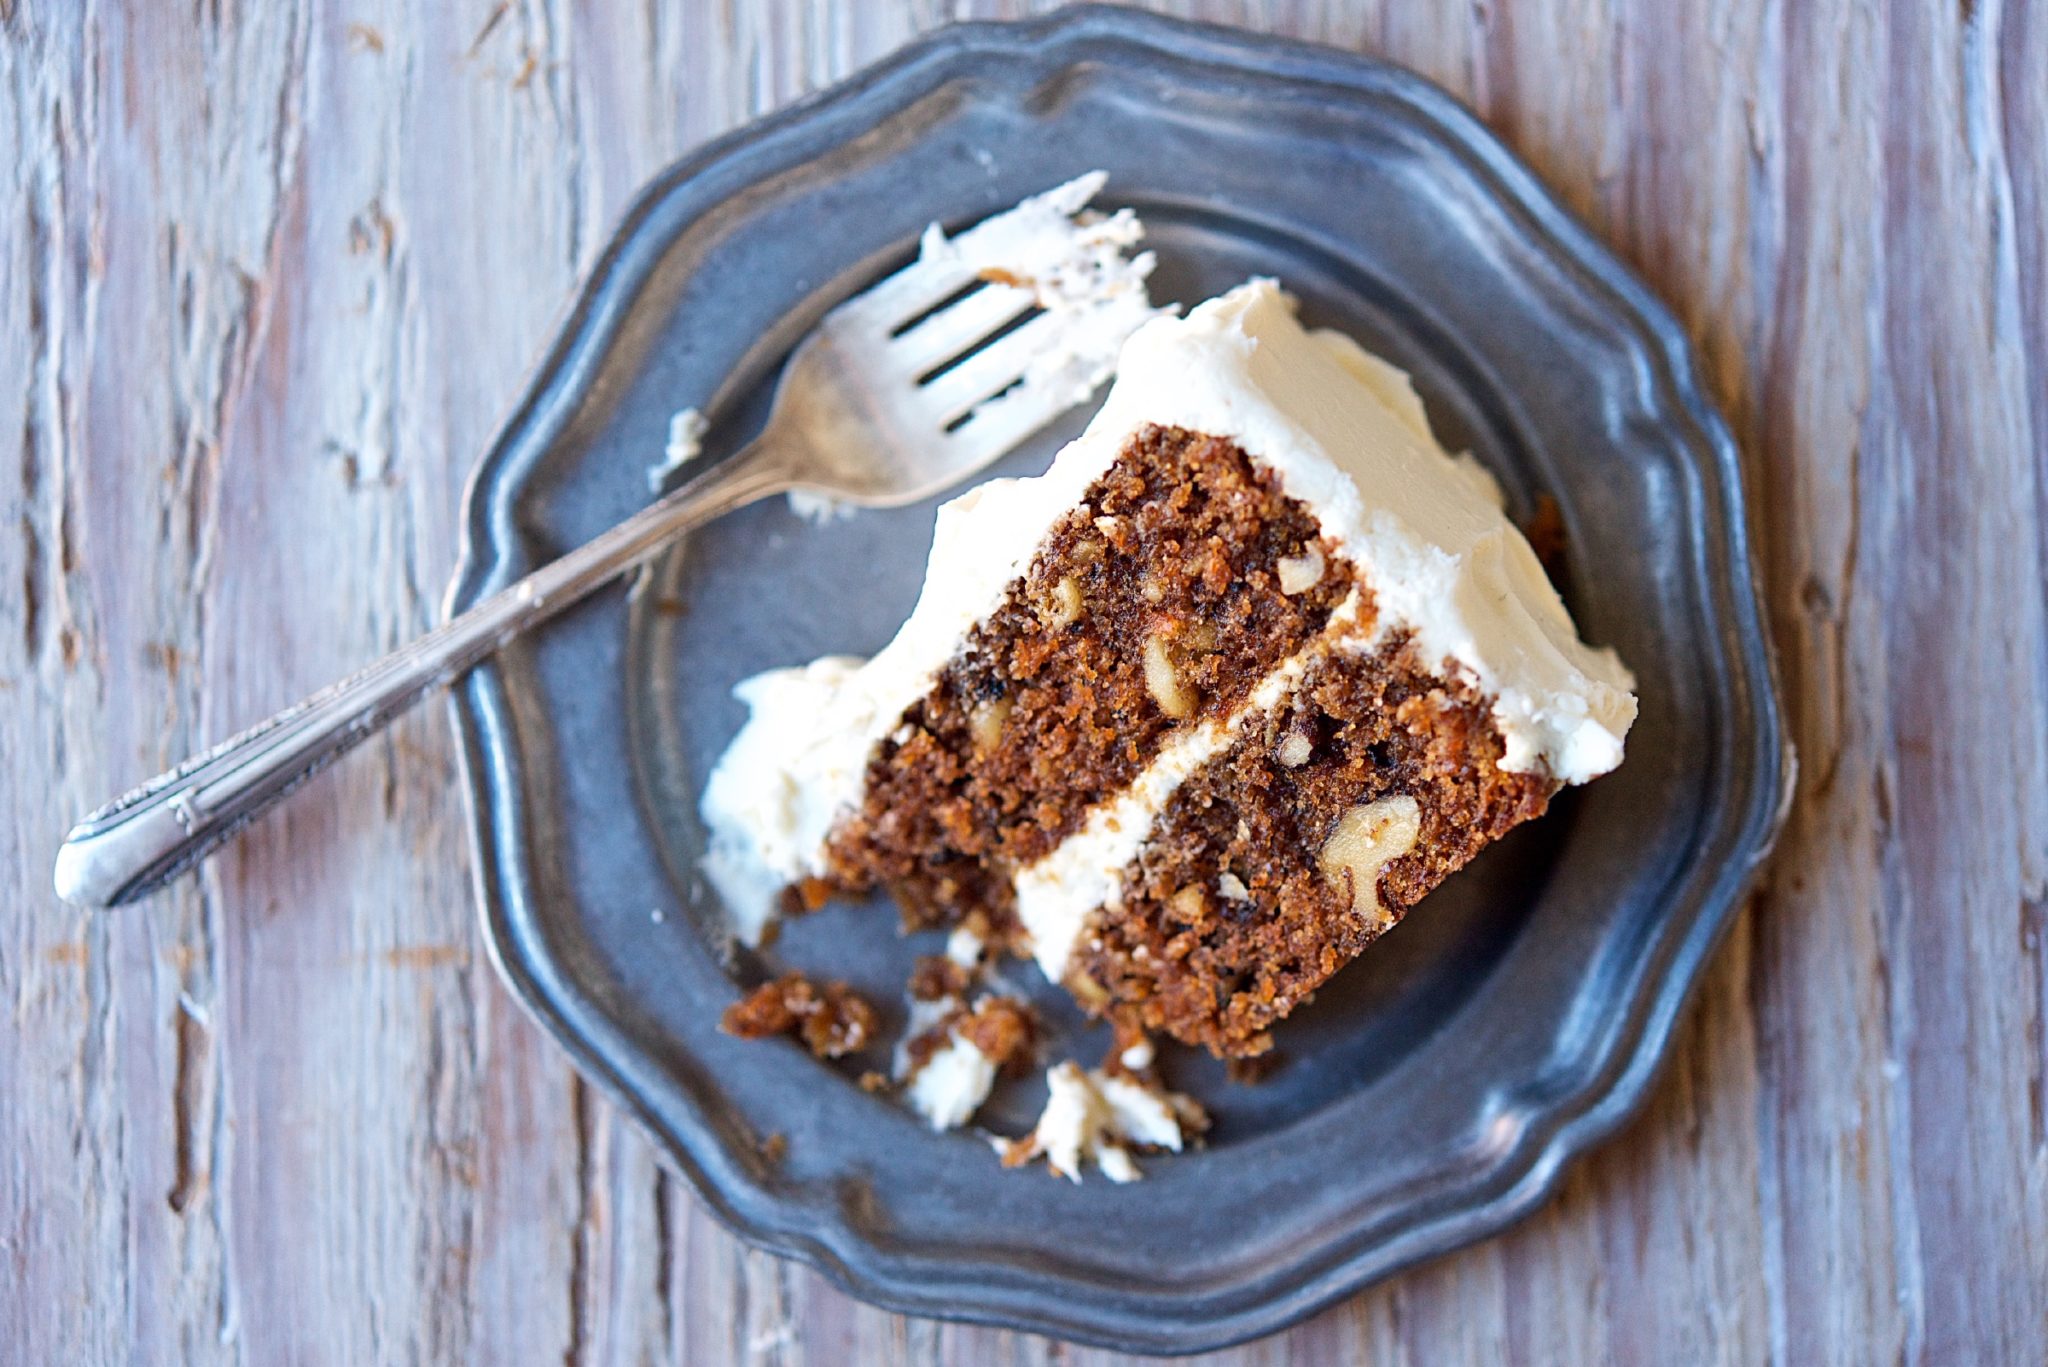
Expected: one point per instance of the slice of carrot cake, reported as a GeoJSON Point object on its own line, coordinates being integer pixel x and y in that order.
{"type": "Point", "coordinates": [1199, 713]}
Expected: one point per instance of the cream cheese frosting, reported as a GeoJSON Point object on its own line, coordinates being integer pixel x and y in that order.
{"type": "Point", "coordinates": [1095, 1116]}
{"type": "Point", "coordinates": [952, 1084]}
{"type": "Point", "coordinates": [1347, 437]}
{"type": "Point", "coordinates": [948, 1084]}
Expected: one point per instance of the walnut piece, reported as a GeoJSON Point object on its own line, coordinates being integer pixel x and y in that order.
{"type": "Point", "coordinates": [1366, 840]}
{"type": "Point", "coordinates": [1295, 750]}
{"type": "Point", "coordinates": [985, 722]}
{"type": "Point", "coordinates": [1174, 698]}
{"type": "Point", "coordinates": [1062, 607]}
{"type": "Point", "coordinates": [1300, 573]}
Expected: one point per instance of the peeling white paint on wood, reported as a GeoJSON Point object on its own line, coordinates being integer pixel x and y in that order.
{"type": "Point", "coordinates": [272, 273]}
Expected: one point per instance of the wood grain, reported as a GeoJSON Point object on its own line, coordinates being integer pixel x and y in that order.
{"type": "Point", "coordinates": [273, 270]}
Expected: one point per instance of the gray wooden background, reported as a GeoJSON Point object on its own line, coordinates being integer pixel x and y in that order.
{"type": "Point", "coordinates": [272, 270]}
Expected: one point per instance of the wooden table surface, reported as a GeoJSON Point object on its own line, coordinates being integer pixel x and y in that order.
{"type": "Point", "coordinates": [274, 268]}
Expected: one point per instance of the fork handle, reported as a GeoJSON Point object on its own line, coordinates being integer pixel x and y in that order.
{"type": "Point", "coordinates": [139, 842]}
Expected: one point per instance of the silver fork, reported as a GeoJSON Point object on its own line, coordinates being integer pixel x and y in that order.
{"type": "Point", "coordinates": [868, 411]}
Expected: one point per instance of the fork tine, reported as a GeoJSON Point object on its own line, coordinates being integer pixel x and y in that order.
{"type": "Point", "coordinates": [898, 298]}
{"type": "Point", "coordinates": [989, 370]}
{"type": "Point", "coordinates": [940, 268]}
{"type": "Point", "coordinates": [1001, 424]}
{"type": "Point", "coordinates": [952, 330]}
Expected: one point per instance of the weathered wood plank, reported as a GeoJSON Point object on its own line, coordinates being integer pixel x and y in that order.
{"type": "Point", "coordinates": [274, 271]}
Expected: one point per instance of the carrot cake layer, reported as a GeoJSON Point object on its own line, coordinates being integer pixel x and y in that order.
{"type": "Point", "coordinates": [1159, 601]}
{"type": "Point", "coordinates": [1201, 711]}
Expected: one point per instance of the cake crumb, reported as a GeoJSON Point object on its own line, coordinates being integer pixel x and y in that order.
{"type": "Point", "coordinates": [1137, 1057]}
{"type": "Point", "coordinates": [820, 510]}
{"type": "Point", "coordinates": [832, 1020]}
{"type": "Point", "coordinates": [1004, 1029]}
{"type": "Point", "coordinates": [1099, 1117]}
{"type": "Point", "coordinates": [775, 1147]}
{"type": "Point", "coordinates": [951, 1057]}
{"type": "Point", "coordinates": [969, 942]}
{"type": "Point", "coordinates": [935, 977]}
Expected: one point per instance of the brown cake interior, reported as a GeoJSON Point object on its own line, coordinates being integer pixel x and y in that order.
{"type": "Point", "coordinates": [1155, 603]}
{"type": "Point", "coordinates": [1232, 917]}
{"type": "Point", "coordinates": [1183, 579]}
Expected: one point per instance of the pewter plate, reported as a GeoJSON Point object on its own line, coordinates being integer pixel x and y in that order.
{"type": "Point", "coordinates": [1434, 1091]}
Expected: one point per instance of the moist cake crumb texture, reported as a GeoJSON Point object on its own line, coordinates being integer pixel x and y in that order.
{"type": "Point", "coordinates": [1158, 601]}
{"type": "Point", "coordinates": [951, 1054]}
{"type": "Point", "coordinates": [1233, 915]}
{"type": "Point", "coordinates": [832, 1020]}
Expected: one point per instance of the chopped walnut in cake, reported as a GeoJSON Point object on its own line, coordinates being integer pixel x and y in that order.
{"type": "Point", "coordinates": [1367, 838]}
{"type": "Point", "coordinates": [832, 1020]}
{"type": "Point", "coordinates": [1300, 573]}
{"type": "Point", "coordinates": [1276, 863]}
